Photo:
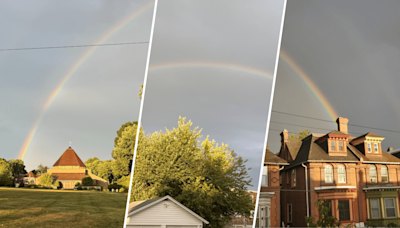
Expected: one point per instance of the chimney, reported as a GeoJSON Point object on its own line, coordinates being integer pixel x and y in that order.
{"type": "Point", "coordinates": [284, 136]}
{"type": "Point", "coordinates": [389, 149]}
{"type": "Point", "coordinates": [342, 125]}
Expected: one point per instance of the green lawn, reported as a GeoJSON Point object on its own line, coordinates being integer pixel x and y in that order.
{"type": "Point", "coordinates": [21, 207]}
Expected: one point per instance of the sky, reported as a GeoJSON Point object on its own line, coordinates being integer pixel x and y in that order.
{"type": "Point", "coordinates": [350, 52]}
{"type": "Point", "coordinates": [213, 62]}
{"type": "Point", "coordinates": [100, 94]}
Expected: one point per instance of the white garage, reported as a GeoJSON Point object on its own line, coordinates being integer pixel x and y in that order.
{"type": "Point", "coordinates": [163, 212]}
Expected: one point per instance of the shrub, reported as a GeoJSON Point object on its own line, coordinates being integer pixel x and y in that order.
{"type": "Point", "coordinates": [79, 188]}
{"type": "Point", "coordinates": [46, 179]}
{"type": "Point", "coordinates": [21, 185]}
{"type": "Point", "coordinates": [77, 183]}
{"type": "Point", "coordinates": [87, 181]}
{"type": "Point", "coordinates": [122, 190]}
{"type": "Point", "coordinates": [114, 186]}
{"type": "Point", "coordinates": [31, 185]}
{"type": "Point", "coordinates": [57, 184]}
{"type": "Point", "coordinates": [93, 189]}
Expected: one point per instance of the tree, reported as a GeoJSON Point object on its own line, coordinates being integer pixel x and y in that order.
{"type": "Point", "coordinates": [41, 169]}
{"type": "Point", "coordinates": [123, 150]}
{"type": "Point", "coordinates": [87, 181]}
{"type": "Point", "coordinates": [324, 219]}
{"type": "Point", "coordinates": [121, 129]}
{"type": "Point", "coordinates": [208, 178]}
{"type": "Point", "coordinates": [301, 134]}
{"type": "Point", "coordinates": [17, 166]}
{"type": "Point", "coordinates": [57, 184]}
{"type": "Point", "coordinates": [141, 92]}
{"type": "Point", "coordinates": [6, 173]}
{"type": "Point", "coordinates": [92, 164]}
{"type": "Point", "coordinates": [46, 179]}
{"type": "Point", "coordinates": [105, 170]}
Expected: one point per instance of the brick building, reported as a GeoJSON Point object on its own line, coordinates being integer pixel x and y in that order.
{"type": "Point", "coordinates": [269, 208]}
{"type": "Point", "coordinates": [349, 171]}
{"type": "Point", "coordinates": [68, 170]}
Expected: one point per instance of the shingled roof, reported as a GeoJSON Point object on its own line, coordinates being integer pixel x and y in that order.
{"type": "Point", "coordinates": [271, 158]}
{"type": "Point", "coordinates": [68, 176]}
{"type": "Point", "coordinates": [69, 158]}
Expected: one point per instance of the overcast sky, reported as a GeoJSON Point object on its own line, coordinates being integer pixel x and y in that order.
{"type": "Point", "coordinates": [96, 100]}
{"type": "Point", "coordinates": [205, 43]}
{"type": "Point", "coordinates": [351, 52]}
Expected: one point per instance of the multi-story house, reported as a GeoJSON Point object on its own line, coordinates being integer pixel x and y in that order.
{"type": "Point", "coordinates": [360, 181]}
{"type": "Point", "coordinates": [269, 209]}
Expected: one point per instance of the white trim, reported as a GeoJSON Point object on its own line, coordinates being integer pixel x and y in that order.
{"type": "Point", "coordinates": [334, 187]}
{"type": "Point", "coordinates": [381, 187]}
{"type": "Point", "coordinates": [173, 200]}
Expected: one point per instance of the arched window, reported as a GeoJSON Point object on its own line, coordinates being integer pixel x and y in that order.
{"type": "Point", "coordinates": [328, 174]}
{"type": "Point", "coordinates": [341, 174]}
{"type": "Point", "coordinates": [372, 174]}
{"type": "Point", "coordinates": [384, 174]}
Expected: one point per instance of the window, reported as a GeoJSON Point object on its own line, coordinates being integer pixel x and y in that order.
{"type": "Point", "coordinates": [294, 177]}
{"type": "Point", "coordinates": [289, 212]}
{"type": "Point", "coordinates": [376, 148]}
{"type": "Point", "coordinates": [344, 210]}
{"type": "Point", "coordinates": [375, 208]}
{"type": "Point", "coordinates": [333, 145]}
{"type": "Point", "coordinates": [384, 174]}
{"type": "Point", "coordinates": [328, 174]}
{"type": "Point", "coordinates": [340, 146]}
{"type": "Point", "coordinates": [328, 204]}
{"type": "Point", "coordinates": [341, 174]}
{"type": "Point", "coordinates": [390, 208]}
{"type": "Point", "coordinates": [372, 174]}
{"type": "Point", "coordinates": [264, 180]}
{"type": "Point", "coordinates": [369, 147]}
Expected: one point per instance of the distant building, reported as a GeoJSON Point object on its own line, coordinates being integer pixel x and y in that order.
{"type": "Point", "coordinates": [269, 206]}
{"type": "Point", "coordinates": [349, 171]}
{"type": "Point", "coordinates": [68, 170]}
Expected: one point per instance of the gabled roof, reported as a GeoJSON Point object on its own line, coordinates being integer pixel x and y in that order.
{"type": "Point", "coordinates": [142, 205]}
{"type": "Point", "coordinates": [293, 146]}
{"type": "Point", "coordinates": [69, 158]}
{"type": "Point", "coordinates": [271, 158]}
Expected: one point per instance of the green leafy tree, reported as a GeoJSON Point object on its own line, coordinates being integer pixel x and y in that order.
{"type": "Point", "coordinates": [18, 167]}
{"type": "Point", "coordinates": [6, 173]}
{"type": "Point", "coordinates": [92, 164]}
{"type": "Point", "coordinates": [208, 178]}
{"type": "Point", "coordinates": [87, 181]}
{"type": "Point", "coordinates": [105, 170]}
{"type": "Point", "coordinates": [57, 184]}
{"type": "Point", "coordinates": [121, 129]}
{"type": "Point", "coordinates": [141, 92]}
{"type": "Point", "coordinates": [41, 169]}
{"type": "Point", "coordinates": [324, 219]}
{"type": "Point", "coordinates": [301, 134]}
{"type": "Point", "coordinates": [46, 179]}
{"type": "Point", "coordinates": [123, 150]}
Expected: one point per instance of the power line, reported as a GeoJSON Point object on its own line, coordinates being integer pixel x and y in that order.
{"type": "Point", "coordinates": [72, 46]}
{"type": "Point", "coordinates": [354, 125]}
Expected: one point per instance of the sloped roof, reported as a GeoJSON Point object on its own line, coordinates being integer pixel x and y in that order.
{"type": "Point", "coordinates": [271, 158]}
{"type": "Point", "coordinates": [69, 158]}
{"type": "Point", "coordinates": [68, 176]}
{"type": "Point", "coordinates": [142, 205]}
{"type": "Point", "coordinates": [293, 146]}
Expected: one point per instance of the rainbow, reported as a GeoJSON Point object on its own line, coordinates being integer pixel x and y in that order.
{"type": "Point", "coordinates": [221, 65]}
{"type": "Point", "coordinates": [74, 68]}
{"type": "Point", "coordinates": [328, 108]}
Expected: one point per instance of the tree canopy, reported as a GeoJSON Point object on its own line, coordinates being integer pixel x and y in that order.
{"type": "Point", "coordinates": [18, 167]}
{"type": "Point", "coordinates": [46, 179]}
{"type": "Point", "coordinates": [6, 173]}
{"type": "Point", "coordinates": [41, 169]}
{"type": "Point", "coordinates": [301, 134]}
{"type": "Point", "coordinates": [208, 178]}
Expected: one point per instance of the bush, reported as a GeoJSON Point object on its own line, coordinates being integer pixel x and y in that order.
{"type": "Point", "coordinates": [93, 189]}
{"type": "Point", "coordinates": [79, 188]}
{"type": "Point", "coordinates": [57, 184]}
{"type": "Point", "coordinates": [122, 190]}
{"type": "Point", "coordinates": [21, 185]}
{"type": "Point", "coordinates": [114, 186]}
{"type": "Point", "coordinates": [77, 183]}
{"type": "Point", "coordinates": [87, 181]}
{"type": "Point", "coordinates": [32, 185]}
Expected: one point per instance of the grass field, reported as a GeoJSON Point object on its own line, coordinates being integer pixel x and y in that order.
{"type": "Point", "coordinates": [21, 207]}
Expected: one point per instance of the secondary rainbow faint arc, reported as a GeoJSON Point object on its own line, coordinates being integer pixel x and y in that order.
{"type": "Point", "coordinates": [73, 69]}
{"type": "Point", "coordinates": [328, 108]}
{"type": "Point", "coordinates": [205, 64]}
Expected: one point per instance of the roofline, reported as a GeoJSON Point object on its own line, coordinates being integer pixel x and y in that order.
{"type": "Point", "coordinates": [373, 162]}
{"type": "Point", "coordinates": [274, 163]}
{"type": "Point", "coordinates": [394, 151]}
{"type": "Point", "coordinates": [173, 200]}
{"type": "Point", "coordinates": [382, 187]}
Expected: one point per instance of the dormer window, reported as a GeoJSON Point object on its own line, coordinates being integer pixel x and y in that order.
{"type": "Point", "coordinates": [376, 148]}
{"type": "Point", "coordinates": [340, 146]}
{"type": "Point", "coordinates": [333, 148]}
{"type": "Point", "coordinates": [369, 148]}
